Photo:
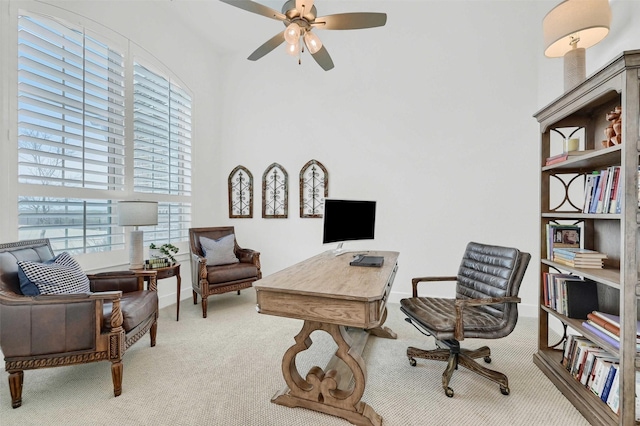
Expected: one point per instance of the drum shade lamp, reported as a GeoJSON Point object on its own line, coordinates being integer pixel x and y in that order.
{"type": "Point", "coordinates": [137, 213]}
{"type": "Point", "coordinates": [569, 29]}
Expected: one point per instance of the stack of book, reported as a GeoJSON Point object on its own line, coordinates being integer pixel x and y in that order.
{"type": "Point", "coordinates": [579, 257]}
{"type": "Point", "coordinates": [607, 327]}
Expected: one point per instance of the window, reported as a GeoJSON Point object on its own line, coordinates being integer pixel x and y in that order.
{"type": "Point", "coordinates": [72, 144]}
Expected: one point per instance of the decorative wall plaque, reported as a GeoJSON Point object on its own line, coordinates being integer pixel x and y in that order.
{"type": "Point", "coordinates": [314, 188]}
{"type": "Point", "coordinates": [240, 193]}
{"type": "Point", "coordinates": [275, 192]}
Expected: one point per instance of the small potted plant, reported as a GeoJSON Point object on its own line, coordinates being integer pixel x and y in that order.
{"type": "Point", "coordinates": [166, 250]}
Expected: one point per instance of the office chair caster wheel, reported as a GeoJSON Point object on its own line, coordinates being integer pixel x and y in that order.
{"type": "Point", "coordinates": [412, 362]}
{"type": "Point", "coordinates": [487, 359]}
{"type": "Point", "coordinates": [449, 392]}
{"type": "Point", "coordinates": [505, 391]}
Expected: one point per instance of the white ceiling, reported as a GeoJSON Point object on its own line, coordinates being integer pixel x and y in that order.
{"type": "Point", "coordinates": [233, 30]}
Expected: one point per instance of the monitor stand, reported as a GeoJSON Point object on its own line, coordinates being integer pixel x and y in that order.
{"type": "Point", "coordinates": [338, 251]}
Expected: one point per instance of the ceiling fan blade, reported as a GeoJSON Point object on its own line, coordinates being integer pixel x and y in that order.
{"type": "Point", "coordinates": [257, 8]}
{"type": "Point", "coordinates": [350, 21]}
{"type": "Point", "coordinates": [267, 47]}
{"type": "Point", "coordinates": [323, 59]}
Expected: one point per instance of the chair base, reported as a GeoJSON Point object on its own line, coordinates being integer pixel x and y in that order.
{"type": "Point", "coordinates": [454, 355]}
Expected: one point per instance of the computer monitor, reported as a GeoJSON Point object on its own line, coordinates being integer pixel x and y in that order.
{"type": "Point", "coordinates": [348, 220]}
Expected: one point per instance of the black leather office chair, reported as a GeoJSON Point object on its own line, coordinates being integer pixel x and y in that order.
{"type": "Point", "coordinates": [485, 307]}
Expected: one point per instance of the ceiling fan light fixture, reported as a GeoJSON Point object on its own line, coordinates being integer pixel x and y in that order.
{"type": "Point", "coordinates": [293, 48]}
{"type": "Point", "coordinates": [292, 33]}
{"type": "Point", "coordinates": [312, 41]}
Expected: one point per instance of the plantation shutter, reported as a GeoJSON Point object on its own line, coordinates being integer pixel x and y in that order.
{"type": "Point", "coordinates": [70, 108]}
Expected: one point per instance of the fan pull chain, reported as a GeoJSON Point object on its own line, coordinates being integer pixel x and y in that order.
{"type": "Point", "coordinates": [301, 51]}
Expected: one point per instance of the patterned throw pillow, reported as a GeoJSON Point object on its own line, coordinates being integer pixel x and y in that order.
{"type": "Point", "coordinates": [63, 276]}
{"type": "Point", "coordinates": [220, 251]}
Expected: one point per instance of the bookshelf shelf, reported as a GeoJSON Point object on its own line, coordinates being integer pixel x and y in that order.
{"type": "Point", "coordinates": [607, 276]}
{"type": "Point", "coordinates": [617, 85]}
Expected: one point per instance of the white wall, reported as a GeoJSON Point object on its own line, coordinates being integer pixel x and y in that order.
{"type": "Point", "coordinates": [431, 116]}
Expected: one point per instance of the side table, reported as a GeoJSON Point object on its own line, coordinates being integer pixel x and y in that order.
{"type": "Point", "coordinates": [168, 272]}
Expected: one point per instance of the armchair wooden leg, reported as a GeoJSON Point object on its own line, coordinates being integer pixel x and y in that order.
{"type": "Point", "coordinates": [195, 297]}
{"type": "Point", "coordinates": [16, 379]}
{"type": "Point", "coordinates": [152, 332]}
{"type": "Point", "coordinates": [238, 292]}
{"type": "Point", "coordinates": [204, 307]}
{"type": "Point", "coordinates": [116, 376]}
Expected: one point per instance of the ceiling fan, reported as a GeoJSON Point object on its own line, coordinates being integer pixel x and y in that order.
{"type": "Point", "coordinates": [300, 18]}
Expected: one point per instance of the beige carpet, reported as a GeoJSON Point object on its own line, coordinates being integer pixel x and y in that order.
{"type": "Point", "coordinates": [223, 370]}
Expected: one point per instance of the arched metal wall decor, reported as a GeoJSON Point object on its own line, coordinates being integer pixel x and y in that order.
{"type": "Point", "coordinates": [275, 192]}
{"type": "Point", "coordinates": [314, 188]}
{"type": "Point", "coordinates": [240, 193]}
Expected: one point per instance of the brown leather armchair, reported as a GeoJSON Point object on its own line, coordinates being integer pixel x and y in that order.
{"type": "Point", "coordinates": [55, 330]}
{"type": "Point", "coordinates": [207, 280]}
{"type": "Point", "coordinates": [485, 307]}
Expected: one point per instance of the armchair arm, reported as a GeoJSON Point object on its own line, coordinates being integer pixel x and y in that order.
{"type": "Point", "coordinates": [22, 317]}
{"type": "Point", "coordinates": [460, 304]}
{"type": "Point", "coordinates": [415, 281]}
{"type": "Point", "coordinates": [198, 270]}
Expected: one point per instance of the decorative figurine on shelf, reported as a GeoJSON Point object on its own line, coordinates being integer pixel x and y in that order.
{"type": "Point", "coordinates": [164, 251]}
{"type": "Point", "coordinates": [614, 131]}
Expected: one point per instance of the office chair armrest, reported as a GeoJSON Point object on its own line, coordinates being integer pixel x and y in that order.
{"type": "Point", "coordinates": [460, 304]}
{"type": "Point", "coordinates": [415, 281]}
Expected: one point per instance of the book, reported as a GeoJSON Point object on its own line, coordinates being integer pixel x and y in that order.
{"type": "Point", "coordinates": [610, 322]}
{"type": "Point", "coordinates": [588, 188]}
{"type": "Point", "coordinates": [605, 338]}
{"type": "Point", "coordinates": [588, 364]}
{"type": "Point", "coordinates": [609, 188]}
{"type": "Point", "coordinates": [554, 159]}
{"type": "Point", "coordinates": [595, 193]}
{"type": "Point", "coordinates": [609, 380]}
{"type": "Point", "coordinates": [613, 401]}
{"type": "Point", "coordinates": [615, 192]}
{"type": "Point", "coordinates": [587, 265]}
{"type": "Point", "coordinates": [579, 253]}
{"type": "Point", "coordinates": [601, 380]}
{"type": "Point", "coordinates": [581, 298]}
{"type": "Point", "coordinates": [602, 190]}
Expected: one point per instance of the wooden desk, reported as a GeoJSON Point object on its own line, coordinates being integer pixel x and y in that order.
{"type": "Point", "coordinates": [168, 272]}
{"type": "Point", "coordinates": [330, 295]}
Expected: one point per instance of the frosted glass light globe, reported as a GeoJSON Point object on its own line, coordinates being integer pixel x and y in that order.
{"type": "Point", "coordinates": [292, 33]}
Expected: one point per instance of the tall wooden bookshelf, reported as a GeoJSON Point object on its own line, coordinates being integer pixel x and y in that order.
{"type": "Point", "coordinates": [615, 234]}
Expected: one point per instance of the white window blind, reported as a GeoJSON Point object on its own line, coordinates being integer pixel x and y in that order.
{"type": "Point", "coordinates": [70, 108]}
{"type": "Point", "coordinates": [162, 134]}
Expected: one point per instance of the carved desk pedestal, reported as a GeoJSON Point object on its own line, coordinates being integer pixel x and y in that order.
{"type": "Point", "coordinates": [348, 303]}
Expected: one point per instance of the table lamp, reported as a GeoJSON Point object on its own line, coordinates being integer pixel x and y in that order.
{"type": "Point", "coordinates": [137, 213]}
{"type": "Point", "coordinates": [569, 29]}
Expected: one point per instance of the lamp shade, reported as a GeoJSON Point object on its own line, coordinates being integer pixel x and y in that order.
{"type": "Point", "coordinates": [137, 213]}
{"type": "Point", "coordinates": [588, 20]}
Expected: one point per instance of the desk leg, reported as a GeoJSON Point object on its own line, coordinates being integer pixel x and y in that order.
{"type": "Point", "coordinates": [319, 391]}
{"type": "Point", "coordinates": [382, 331]}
